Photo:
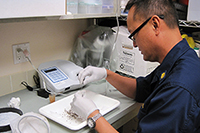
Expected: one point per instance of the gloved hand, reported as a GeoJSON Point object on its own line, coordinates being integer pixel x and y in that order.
{"type": "Point", "coordinates": [91, 74]}
{"type": "Point", "coordinates": [81, 105]}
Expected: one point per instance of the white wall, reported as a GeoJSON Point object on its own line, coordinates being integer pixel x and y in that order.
{"type": "Point", "coordinates": [49, 40]}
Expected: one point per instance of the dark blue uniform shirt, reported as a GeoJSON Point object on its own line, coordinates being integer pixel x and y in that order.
{"type": "Point", "coordinates": [171, 94]}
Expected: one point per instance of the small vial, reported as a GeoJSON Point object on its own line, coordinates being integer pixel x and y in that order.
{"type": "Point", "coordinates": [52, 98]}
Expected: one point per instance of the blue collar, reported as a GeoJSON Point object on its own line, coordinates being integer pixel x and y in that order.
{"type": "Point", "coordinates": [175, 53]}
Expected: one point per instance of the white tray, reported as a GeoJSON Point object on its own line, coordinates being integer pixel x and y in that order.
{"type": "Point", "coordinates": [57, 110]}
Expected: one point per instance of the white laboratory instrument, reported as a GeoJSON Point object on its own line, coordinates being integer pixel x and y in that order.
{"type": "Point", "coordinates": [59, 75]}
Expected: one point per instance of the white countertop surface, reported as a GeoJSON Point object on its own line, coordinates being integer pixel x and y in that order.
{"type": "Point", "coordinates": [30, 102]}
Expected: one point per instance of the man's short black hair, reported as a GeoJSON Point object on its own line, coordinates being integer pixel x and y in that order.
{"type": "Point", "coordinates": [147, 8]}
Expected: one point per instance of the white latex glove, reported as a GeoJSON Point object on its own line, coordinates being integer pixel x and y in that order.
{"type": "Point", "coordinates": [91, 74]}
{"type": "Point", "coordinates": [14, 102]}
{"type": "Point", "coordinates": [82, 106]}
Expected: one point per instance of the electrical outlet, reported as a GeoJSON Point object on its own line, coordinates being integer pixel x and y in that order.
{"type": "Point", "coordinates": [18, 54]}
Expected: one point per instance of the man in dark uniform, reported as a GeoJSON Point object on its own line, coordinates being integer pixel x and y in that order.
{"type": "Point", "coordinates": [171, 93]}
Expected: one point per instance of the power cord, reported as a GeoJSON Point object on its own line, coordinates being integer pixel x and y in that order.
{"type": "Point", "coordinates": [36, 80]}
{"type": "Point", "coordinates": [27, 86]}
{"type": "Point", "coordinates": [43, 92]}
{"type": "Point", "coordinates": [26, 54]}
{"type": "Point", "coordinates": [40, 92]}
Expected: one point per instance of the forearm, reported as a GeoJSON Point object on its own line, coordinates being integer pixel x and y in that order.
{"type": "Point", "coordinates": [102, 126]}
{"type": "Point", "coordinates": [125, 85]}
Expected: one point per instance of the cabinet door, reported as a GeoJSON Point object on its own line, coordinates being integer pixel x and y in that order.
{"type": "Point", "coordinates": [31, 8]}
{"type": "Point", "coordinates": [107, 8]}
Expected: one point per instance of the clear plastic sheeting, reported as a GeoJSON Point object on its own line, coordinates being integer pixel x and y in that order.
{"type": "Point", "coordinates": [93, 47]}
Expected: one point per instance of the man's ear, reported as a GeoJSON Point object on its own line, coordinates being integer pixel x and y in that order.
{"type": "Point", "coordinates": [156, 24]}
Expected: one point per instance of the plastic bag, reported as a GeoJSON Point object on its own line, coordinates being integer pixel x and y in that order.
{"type": "Point", "coordinates": [93, 47]}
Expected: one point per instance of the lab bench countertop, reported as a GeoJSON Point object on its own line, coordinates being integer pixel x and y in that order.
{"type": "Point", "coordinates": [30, 102]}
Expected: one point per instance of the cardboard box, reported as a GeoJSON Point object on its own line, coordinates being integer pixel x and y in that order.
{"type": "Point", "coordinates": [129, 59]}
